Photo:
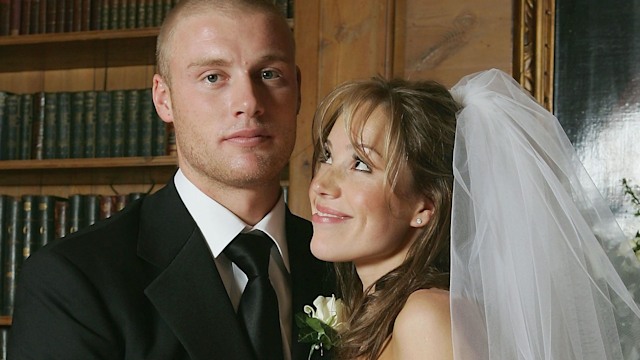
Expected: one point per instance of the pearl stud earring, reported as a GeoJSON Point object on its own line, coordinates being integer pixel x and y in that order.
{"type": "Point", "coordinates": [418, 221]}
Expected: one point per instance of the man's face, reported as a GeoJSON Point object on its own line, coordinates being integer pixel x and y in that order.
{"type": "Point", "coordinates": [232, 98]}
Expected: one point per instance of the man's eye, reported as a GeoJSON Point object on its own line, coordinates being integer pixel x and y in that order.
{"type": "Point", "coordinates": [269, 74]}
{"type": "Point", "coordinates": [361, 166]}
{"type": "Point", "coordinates": [213, 78]}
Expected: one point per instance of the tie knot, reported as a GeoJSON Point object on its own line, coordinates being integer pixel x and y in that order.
{"type": "Point", "coordinates": [250, 252]}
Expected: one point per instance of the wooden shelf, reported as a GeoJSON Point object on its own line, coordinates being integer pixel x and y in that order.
{"type": "Point", "coordinates": [97, 171]}
{"type": "Point", "coordinates": [86, 49]}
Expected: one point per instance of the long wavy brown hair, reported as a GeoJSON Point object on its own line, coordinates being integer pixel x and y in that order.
{"type": "Point", "coordinates": [419, 141]}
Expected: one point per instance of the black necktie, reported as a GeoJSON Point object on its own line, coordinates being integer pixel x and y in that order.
{"type": "Point", "coordinates": [258, 310]}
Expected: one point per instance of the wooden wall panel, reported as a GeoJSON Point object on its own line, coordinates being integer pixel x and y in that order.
{"type": "Point", "coordinates": [445, 40]}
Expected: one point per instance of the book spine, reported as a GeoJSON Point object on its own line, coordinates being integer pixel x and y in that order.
{"type": "Point", "coordinates": [85, 18]}
{"type": "Point", "coordinates": [13, 126]}
{"type": "Point", "coordinates": [52, 16]}
{"type": "Point", "coordinates": [141, 16]}
{"type": "Point", "coordinates": [132, 121]}
{"type": "Point", "coordinates": [63, 130]}
{"type": "Point", "coordinates": [4, 219]}
{"type": "Point", "coordinates": [25, 17]}
{"type": "Point", "coordinates": [77, 125]}
{"type": "Point", "coordinates": [96, 15]}
{"type": "Point", "coordinates": [50, 127]}
{"type": "Point", "coordinates": [114, 12]}
{"type": "Point", "coordinates": [69, 19]}
{"type": "Point", "coordinates": [34, 18]}
{"type": "Point", "coordinates": [12, 254]}
{"type": "Point", "coordinates": [131, 13]}
{"type": "Point", "coordinates": [37, 138]}
{"type": "Point", "coordinates": [105, 15]}
{"type": "Point", "coordinates": [103, 124]}
{"type": "Point", "coordinates": [123, 6]}
{"type": "Point", "coordinates": [146, 122]}
{"type": "Point", "coordinates": [90, 110]}
{"type": "Point", "coordinates": [157, 12]}
{"type": "Point", "coordinates": [118, 131]}
{"type": "Point", "coordinates": [5, 17]}
{"type": "Point", "coordinates": [42, 17]}
{"type": "Point", "coordinates": [107, 206]}
{"type": "Point", "coordinates": [29, 225]}
{"type": "Point", "coordinates": [160, 136]}
{"type": "Point", "coordinates": [61, 15]}
{"type": "Point", "coordinates": [3, 124]}
{"type": "Point", "coordinates": [76, 15]}
{"type": "Point", "coordinates": [26, 127]}
{"type": "Point", "coordinates": [121, 201]}
{"type": "Point", "coordinates": [16, 14]}
{"type": "Point", "coordinates": [76, 216]}
{"type": "Point", "coordinates": [61, 218]}
{"type": "Point", "coordinates": [46, 219]}
{"type": "Point", "coordinates": [91, 209]}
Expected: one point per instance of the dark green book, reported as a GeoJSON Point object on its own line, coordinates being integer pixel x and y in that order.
{"type": "Point", "coordinates": [26, 126]}
{"type": "Point", "coordinates": [147, 118]}
{"type": "Point", "coordinates": [12, 253]}
{"type": "Point", "coordinates": [76, 215]}
{"type": "Point", "coordinates": [105, 15]}
{"type": "Point", "coordinates": [4, 217]}
{"type": "Point", "coordinates": [29, 225]}
{"type": "Point", "coordinates": [13, 126]}
{"type": "Point", "coordinates": [123, 6]}
{"type": "Point", "coordinates": [63, 131]}
{"type": "Point", "coordinates": [3, 123]}
{"type": "Point", "coordinates": [103, 124]}
{"type": "Point", "coordinates": [91, 209]}
{"type": "Point", "coordinates": [50, 126]}
{"type": "Point", "coordinates": [118, 129]}
{"type": "Point", "coordinates": [131, 14]}
{"type": "Point", "coordinates": [96, 15]}
{"type": "Point", "coordinates": [132, 123]}
{"type": "Point", "coordinates": [61, 217]}
{"type": "Point", "coordinates": [149, 13]}
{"type": "Point", "coordinates": [77, 125]}
{"type": "Point", "coordinates": [141, 16]}
{"type": "Point", "coordinates": [158, 16]}
{"type": "Point", "coordinates": [45, 216]}
{"type": "Point", "coordinates": [114, 13]}
{"type": "Point", "coordinates": [37, 135]}
{"type": "Point", "coordinates": [159, 136]}
{"type": "Point", "coordinates": [90, 113]}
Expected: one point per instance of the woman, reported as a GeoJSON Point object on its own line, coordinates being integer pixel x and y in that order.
{"type": "Point", "coordinates": [530, 235]}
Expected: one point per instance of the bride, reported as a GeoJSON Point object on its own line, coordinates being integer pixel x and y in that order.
{"type": "Point", "coordinates": [462, 225]}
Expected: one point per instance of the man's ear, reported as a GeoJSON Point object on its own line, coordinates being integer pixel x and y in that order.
{"type": "Point", "coordinates": [162, 99]}
{"type": "Point", "coordinates": [423, 213]}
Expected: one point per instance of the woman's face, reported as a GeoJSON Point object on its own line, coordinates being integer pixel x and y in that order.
{"type": "Point", "coordinates": [356, 217]}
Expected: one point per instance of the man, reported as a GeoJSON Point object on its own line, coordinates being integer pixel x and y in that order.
{"type": "Point", "coordinates": [153, 282]}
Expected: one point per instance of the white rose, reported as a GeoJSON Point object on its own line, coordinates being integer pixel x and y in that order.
{"type": "Point", "coordinates": [329, 310]}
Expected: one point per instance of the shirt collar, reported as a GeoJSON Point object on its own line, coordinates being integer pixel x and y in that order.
{"type": "Point", "coordinates": [220, 226]}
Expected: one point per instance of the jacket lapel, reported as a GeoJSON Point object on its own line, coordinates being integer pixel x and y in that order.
{"type": "Point", "coordinates": [309, 276]}
{"type": "Point", "coordinates": [188, 293]}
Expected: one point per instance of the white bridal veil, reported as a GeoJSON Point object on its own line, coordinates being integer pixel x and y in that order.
{"type": "Point", "coordinates": [537, 256]}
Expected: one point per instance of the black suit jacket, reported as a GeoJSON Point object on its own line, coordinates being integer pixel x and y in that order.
{"type": "Point", "coordinates": [143, 285]}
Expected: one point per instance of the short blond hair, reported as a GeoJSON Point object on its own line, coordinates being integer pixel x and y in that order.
{"type": "Point", "coordinates": [187, 8]}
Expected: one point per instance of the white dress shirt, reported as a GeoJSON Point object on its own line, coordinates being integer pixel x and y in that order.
{"type": "Point", "coordinates": [220, 226]}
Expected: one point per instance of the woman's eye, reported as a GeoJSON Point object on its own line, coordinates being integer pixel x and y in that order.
{"type": "Point", "coordinates": [269, 74]}
{"type": "Point", "coordinates": [361, 165]}
{"type": "Point", "coordinates": [325, 158]}
{"type": "Point", "coordinates": [213, 78]}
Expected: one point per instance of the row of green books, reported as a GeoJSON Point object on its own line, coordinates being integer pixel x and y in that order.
{"type": "Point", "coordinates": [23, 17]}
{"type": "Point", "coordinates": [29, 222]}
{"type": "Point", "coordinates": [84, 124]}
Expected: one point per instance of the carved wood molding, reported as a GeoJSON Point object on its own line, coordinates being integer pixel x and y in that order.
{"type": "Point", "coordinates": [534, 41]}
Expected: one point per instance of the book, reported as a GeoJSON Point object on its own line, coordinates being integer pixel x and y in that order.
{"type": "Point", "coordinates": [5, 17]}
{"type": "Point", "coordinates": [4, 217]}
{"type": "Point", "coordinates": [63, 129]}
{"type": "Point", "coordinates": [121, 201]}
{"type": "Point", "coordinates": [76, 18]}
{"type": "Point", "coordinates": [45, 217]}
{"type": "Point", "coordinates": [25, 17]}
{"type": "Point", "coordinates": [105, 14]}
{"type": "Point", "coordinates": [91, 209]}
{"type": "Point", "coordinates": [123, 6]}
{"type": "Point", "coordinates": [37, 137]}
{"type": "Point", "coordinates": [103, 124]}
{"type": "Point", "coordinates": [12, 253]}
{"type": "Point", "coordinates": [76, 215]}
{"type": "Point", "coordinates": [107, 206]}
{"type": "Point", "coordinates": [96, 15]}
{"type": "Point", "coordinates": [15, 7]}
{"type": "Point", "coordinates": [132, 123]}
{"type": "Point", "coordinates": [118, 130]}
{"type": "Point", "coordinates": [26, 126]}
{"type": "Point", "coordinates": [3, 123]}
{"type": "Point", "coordinates": [61, 217]}
{"type": "Point", "coordinates": [159, 136]}
{"type": "Point", "coordinates": [85, 17]}
{"type": "Point", "coordinates": [12, 115]}
{"type": "Point", "coordinates": [50, 126]}
{"type": "Point", "coordinates": [114, 13]}
{"type": "Point", "coordinates": [77, 125]}
{"type": "Point", "coordinates": [90, 113]}
{"type": "Point", "coordinates": [147, 118]}
{"type": "Point", "coordinates": [29, 225]}
{"type": "Point", "coordinates": [131, 13]}
{"type": "Point", "coordinates": [61, 15]}
{"type": "Point", "coordinates": [52, 16]}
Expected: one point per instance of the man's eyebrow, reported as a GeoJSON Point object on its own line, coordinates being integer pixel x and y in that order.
{"type": "Point", "coordinates": [209, 62]}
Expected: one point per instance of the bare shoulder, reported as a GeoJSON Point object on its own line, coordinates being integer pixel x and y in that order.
{"type": "Point", "coordinates": [423, 326]}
